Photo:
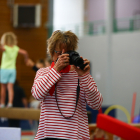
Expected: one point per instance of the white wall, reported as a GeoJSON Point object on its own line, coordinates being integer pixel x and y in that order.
{"type": "Point", "coordinates": [123, 9]}
{"type": "Point", "coordinates": [127, 8]}
{"type": "Point", "coordinates": [125, 67]}
{"type": "Point", "coordinates": [67, 13]}
{"type": "Point", "coordinates": [95, 10]}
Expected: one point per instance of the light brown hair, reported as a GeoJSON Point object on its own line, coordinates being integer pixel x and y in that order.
{"type": "Point", "coordinates": [8, 39]}
{"type": "Point", "coordinates": [66, 37]}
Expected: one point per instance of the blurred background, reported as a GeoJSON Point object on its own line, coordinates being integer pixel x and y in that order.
{"type": "Point", "coordinates": [109, 36]}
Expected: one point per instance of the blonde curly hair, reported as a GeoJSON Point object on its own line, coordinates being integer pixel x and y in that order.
{"type": "Point", "coordinates": [9, 39]}
{"type": "Point", "coordinates": [66, 37]}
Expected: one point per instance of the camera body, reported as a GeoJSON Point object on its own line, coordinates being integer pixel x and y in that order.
{"type": "Point", "coordinates": [76, 60]}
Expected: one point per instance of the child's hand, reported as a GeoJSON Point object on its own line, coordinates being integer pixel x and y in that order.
{"type": "Point", "coordinates": [29, 62]}
{"type": "Point", "coordinates": [2, 48]}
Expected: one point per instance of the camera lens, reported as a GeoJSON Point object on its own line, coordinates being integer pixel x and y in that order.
{"type": "Point", "coordinates": [80, 63]}
{"type": "Point", "coordinates": [76, 60]}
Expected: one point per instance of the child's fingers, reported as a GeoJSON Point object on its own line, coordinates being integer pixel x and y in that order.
{"type": "Point", "coordinates": [63, 51]}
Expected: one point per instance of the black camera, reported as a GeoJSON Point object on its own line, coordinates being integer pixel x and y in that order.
{"type": "Point", "coordinates": [76, 60]}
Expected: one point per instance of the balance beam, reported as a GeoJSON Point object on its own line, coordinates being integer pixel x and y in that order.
{"type": "Point", "coordinates": [20, 113]}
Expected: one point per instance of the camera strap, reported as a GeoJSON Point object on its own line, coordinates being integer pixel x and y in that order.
{"type": "Point", "coordinates": [77, 97]}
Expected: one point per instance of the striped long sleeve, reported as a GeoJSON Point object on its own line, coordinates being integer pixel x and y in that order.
{"type": "Point", "coordinates": [43, 82]}
{"type": "Point", "coordinates": [93, 96]}
{"type": "Point", "coordinates": [52, 124]}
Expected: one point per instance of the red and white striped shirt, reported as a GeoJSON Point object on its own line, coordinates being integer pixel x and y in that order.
{"type": "Point", "coordinates": [52, 123]}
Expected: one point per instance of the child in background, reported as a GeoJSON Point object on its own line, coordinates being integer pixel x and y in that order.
{"type": "Point", "coordinates": [36, 66]}
{"type": "Point", "coordinates": [41, 63]}
{"type": "Point", "coordinates": [8, 65]}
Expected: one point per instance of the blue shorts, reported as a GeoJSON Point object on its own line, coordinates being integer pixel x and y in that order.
{"type": "Point", "coordinates": [7, 76]}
